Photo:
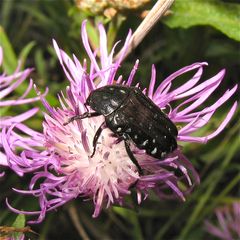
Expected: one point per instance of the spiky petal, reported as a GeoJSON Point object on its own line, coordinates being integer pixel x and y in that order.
{"type": "Point", "coordinates": [14, 124]}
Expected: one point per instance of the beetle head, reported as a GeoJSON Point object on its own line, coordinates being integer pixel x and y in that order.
{"type": "Point", "coordinates": [106, 100]}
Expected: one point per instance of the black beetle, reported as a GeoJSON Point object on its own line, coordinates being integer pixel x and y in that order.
{"type": "Point", "coordinates": [132, 116]}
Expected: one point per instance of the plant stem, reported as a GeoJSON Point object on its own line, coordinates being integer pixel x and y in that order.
{"type": "Point", "coordinates": [147, 24]}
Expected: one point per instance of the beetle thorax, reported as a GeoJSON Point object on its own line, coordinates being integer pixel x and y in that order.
{"type": "Point", "coordinates": [107, 99]}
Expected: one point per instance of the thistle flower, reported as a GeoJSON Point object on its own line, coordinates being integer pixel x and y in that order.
{"type": "Point", "coordinates": [8, 83]}
{"type": "Point", "coordinates": [65, 168]}
{"type": "Point", "coordinates": [228, 222]}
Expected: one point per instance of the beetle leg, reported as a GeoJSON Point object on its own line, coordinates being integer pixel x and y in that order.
{"type": "Point", "coordinates": [130, 154]}
{"type": "Point", "coordinates": [96, 136]}
{"type": "Point", "coordinates": [118, 140]}
{"type": "Point", "coordinates": [84, 115]}
{"type": "Point", "coordinates": [85, 105]}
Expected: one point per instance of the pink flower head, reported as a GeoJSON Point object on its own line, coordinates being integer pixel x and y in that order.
{"type": "Point", "coordinates": [65, 166]}
{"type": "Point", "coordinates": [8, 83]}
{"type": "Point", "coordinates": [228, 222]}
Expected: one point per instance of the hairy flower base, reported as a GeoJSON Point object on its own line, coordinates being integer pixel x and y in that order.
{"type": "Point", "coordinates": [59, 157]}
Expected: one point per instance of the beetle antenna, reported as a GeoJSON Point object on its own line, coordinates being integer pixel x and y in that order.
{"type": "Point", "coordinates": [82, 116]}
{"type": "Point", "coordinates": [72, 119]}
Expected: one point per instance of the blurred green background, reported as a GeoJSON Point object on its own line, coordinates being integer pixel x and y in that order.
{"type": "Point", "coordinates": [194, 30]}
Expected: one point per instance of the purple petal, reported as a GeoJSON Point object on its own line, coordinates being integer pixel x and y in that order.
{"type": "Point", "coordinates": [152, 82]}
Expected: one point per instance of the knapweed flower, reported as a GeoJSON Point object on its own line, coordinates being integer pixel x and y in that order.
{"type": "Point", "coordinates": [228, 222]}
{"type": "Point", "coordinates": [8, 83]}
{"type": "Point", "coordinates": [66, 169]}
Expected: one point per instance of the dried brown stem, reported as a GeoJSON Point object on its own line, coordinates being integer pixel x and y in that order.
{"type": "Point", "coordinates": [149, 21]}
{"type": "Point", "coordinates": [77, 223]}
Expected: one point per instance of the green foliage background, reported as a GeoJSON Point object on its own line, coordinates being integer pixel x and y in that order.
{"type": "Point", "coordinates": [196, 30]}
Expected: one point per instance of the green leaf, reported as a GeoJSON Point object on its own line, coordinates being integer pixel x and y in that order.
{"type": "Point", "coordinates": [25, 51]}
{"type": "Point", "coordinates": [6, 9]}
{"type": "Point", "coordinates": [93, 35]}
{"type": "Point", "coordinates": [114, 26]}
{"type": "Point", "coordinates": [41, 64]}
{"type": "Point", "coordinates": [9, 57]}
{"type": "Point", "coordinates": [223, 16]}
{"type": "Point", "coordinates": [132, 217]}
{"type": "Point", "coordinates": [18, 223]}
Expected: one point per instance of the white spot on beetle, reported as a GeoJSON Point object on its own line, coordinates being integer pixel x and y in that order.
{"type": "Point", "coordinates": [165, 136]}
{"type": "Point", "coordinates": [129, 130]}
{"type": "Point", "coordinates": [155, 116]}
{"type": "Point", "coordinates": [119, 129]}
{"type": "Point", "coordinates": [111, 88]}
{"type": "Point", "coordinates": [113, 103]}
{"type": "Point", "coordinates": [154, 140]}
{"type": "Point", "coordinates": [105, 97]}
{"type": "Point", "coordinates": [122, 91]}
{"type": "Point", "coordinates": [154, 151]}
{"type": "Point", "coordinates": [135, 136]}
{"type": "Point", "coordinates": [163, 154]}
{"type": "Point", "coordinates": [116, 117]}
{"type": "Point", "coordinates": [145, 143]}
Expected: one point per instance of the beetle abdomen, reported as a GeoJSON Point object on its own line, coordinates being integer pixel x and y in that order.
{"type": "Point", "coordinates": [147, 136]}
{"type": "Point", "coordinates": [148, 127]}
{"type": "Point", "coordinates": [156, 145]}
